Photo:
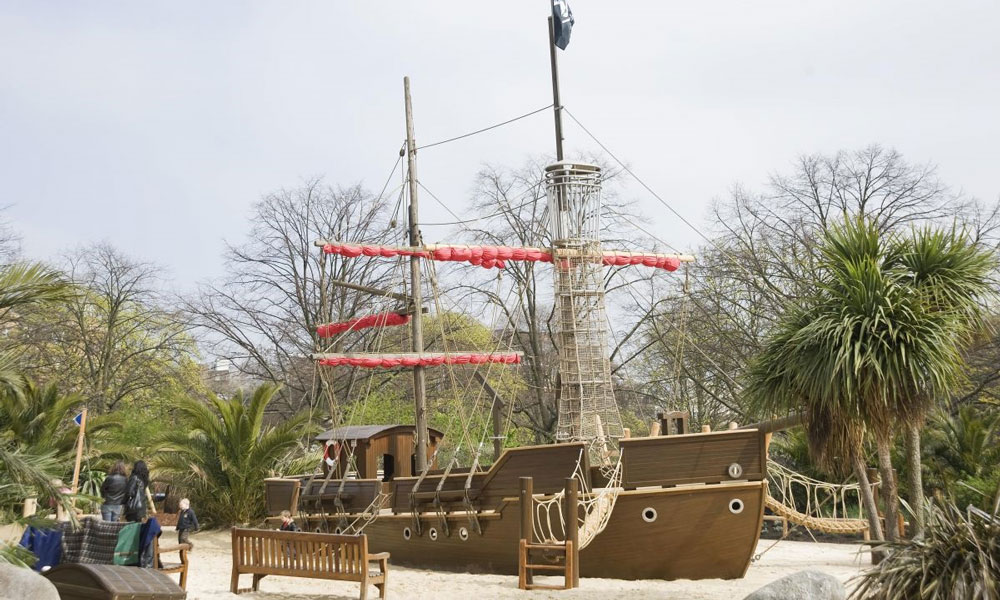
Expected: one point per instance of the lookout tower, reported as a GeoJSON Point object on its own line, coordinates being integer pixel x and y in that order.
{"type": "Point", "coordinates": [587, 408]}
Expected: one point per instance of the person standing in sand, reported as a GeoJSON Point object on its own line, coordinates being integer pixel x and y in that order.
{"type": "Point", "coordinates": [135, 492]}
{"type": "Point", "coordinates": [113, 492]}
{"type": "Point", "coordinates": [187, 521]}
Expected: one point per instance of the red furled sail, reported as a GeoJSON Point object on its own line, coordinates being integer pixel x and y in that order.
{"type": "Point", "coordinates": [379, 320]}
{"type": "Point", "coordinates": [490, 257]}
{"type": "Point", "coordinates": [427, 359]}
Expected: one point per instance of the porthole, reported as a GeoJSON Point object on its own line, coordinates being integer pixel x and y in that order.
{"type": "Point", "coordinates": [433, 534]}
{"type": "Point", "coordinates": [649, 514]}
{"type": "Point", "coordinates": [463, 533]}
{"type": "Point", "coordinates": [735, 470]}
{"type": "Point", "coordinates": [406, 533]}
{"type": "Point", "coordinates": [736, 506]}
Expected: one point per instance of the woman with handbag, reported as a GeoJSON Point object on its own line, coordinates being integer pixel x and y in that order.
{"type": "Point", "coordinates": [135, 492]}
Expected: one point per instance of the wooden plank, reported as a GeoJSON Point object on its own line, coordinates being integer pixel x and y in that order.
{"type": "Point", "coordinates": [522, 559]}
{"type": "Point", "coordinates": [692, 458]}
{"type": "Point", "coordinates": [546, 567]}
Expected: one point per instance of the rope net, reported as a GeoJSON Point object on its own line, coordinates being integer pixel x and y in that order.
{"type": "Point", "coordinates": [587, 407]}
{"type": "Point", "coordinates": [814, 504]}
{"type": "Point", "coordinates": [597, 504]}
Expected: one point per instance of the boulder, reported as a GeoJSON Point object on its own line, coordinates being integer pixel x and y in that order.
{"type": "Point", "coordinates": [811, 585]}
{"type": "Point", "coordinates": [17, 583]}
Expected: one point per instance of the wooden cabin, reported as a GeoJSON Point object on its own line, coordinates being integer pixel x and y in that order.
{"type": "Point", "coordinates": [386, 448]}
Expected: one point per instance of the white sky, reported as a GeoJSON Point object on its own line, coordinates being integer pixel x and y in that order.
{"type": "Point", "coordinates": [156, 125]}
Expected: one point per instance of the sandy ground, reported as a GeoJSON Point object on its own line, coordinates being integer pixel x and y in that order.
{"type": "Point", "coordinates": [211, 566]}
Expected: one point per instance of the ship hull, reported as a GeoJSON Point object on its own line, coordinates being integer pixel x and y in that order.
{"type": "Point", "coordinates": [694, 535]}
{"type": "Point", "coordinates": [688, 507]}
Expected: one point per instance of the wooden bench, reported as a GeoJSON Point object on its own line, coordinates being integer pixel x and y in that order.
{"type": "Point", "coordinates": [261, 552]}
{"type": "Point", "coordinates": [172, 567]}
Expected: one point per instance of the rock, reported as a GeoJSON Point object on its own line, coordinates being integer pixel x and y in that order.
{"type": "Point", "coordinates": [17, 583]}
{"type": "Point", "coordinates": [804, 585]}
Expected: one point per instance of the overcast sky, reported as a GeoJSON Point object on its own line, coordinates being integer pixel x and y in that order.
{"type": "Point", "coordinates": [156, 125]}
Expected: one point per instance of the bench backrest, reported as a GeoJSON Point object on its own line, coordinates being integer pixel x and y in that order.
{"type": "Point", "coordinates": [320, 555]}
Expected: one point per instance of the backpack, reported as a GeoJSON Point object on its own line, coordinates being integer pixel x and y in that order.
{"type": "Point", "coordinates": [135, 501]}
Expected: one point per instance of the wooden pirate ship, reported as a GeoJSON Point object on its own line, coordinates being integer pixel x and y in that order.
{"type": "Point", "coordinates": [672, 505]}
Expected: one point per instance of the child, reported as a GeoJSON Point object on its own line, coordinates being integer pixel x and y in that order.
{"type": "Point", "coordinates": [287, 524]}
{"type": "Point", "coordinates": [186, 521]}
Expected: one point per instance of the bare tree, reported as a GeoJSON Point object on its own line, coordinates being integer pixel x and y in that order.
{"type": "Point", "coordinates": [117, 339]}
{"type": "Point", "coordinates": [262, 315]}
{"type": "Point", "coordinates": [762, 257]}
{"type": "Point", "coordinates": [10, 241]}
{"type": "Point", "coordinates": [509, 205]}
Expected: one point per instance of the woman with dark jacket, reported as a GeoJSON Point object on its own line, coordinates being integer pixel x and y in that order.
{"type": "Point", "coordinates": [135, 492]}
{"type": "Point", "coordinates": [113, 493]}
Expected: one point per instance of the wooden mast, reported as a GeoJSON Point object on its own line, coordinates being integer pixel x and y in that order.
{"type": "Point", "coordinates": [419, 380]}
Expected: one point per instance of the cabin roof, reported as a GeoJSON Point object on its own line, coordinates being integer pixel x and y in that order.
{"type": "Point", "coordinates": [367, 432]}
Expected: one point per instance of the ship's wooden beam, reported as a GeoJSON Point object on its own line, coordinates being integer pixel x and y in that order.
{"type": "Point", "coordinates": [778, 424]}
{"type": "Point", "coordinates": [562, 252]}
{"type": "Point", "coordinates": [371, 290]}
{"type": "Point", "coordinates": [323, 355]}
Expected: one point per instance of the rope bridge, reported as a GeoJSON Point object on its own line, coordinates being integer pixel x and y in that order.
{"type": "Point", "coordinates": [826, 504]}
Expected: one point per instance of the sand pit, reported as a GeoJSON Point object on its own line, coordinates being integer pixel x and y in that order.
{"type": "Point", "coordinates": [211, 566]}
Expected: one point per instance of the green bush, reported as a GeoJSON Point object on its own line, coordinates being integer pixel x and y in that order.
{"type": "Point", "coordinates": [222, 451]}
{"type": "Point", "coordinates": [957, 557]}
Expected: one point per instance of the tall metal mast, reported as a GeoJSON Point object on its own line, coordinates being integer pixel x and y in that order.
{"type": "Point", "coordinates": [556, 106]}
{"type": "Point", "coordinates": [419, 380]}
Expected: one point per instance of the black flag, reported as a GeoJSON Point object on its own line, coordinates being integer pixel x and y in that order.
{"type": "Point", "coordinates": [562, 22]}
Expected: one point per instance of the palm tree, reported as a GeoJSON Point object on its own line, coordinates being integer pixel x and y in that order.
{"type": "Point", "coordinates": [40, 418]}
{"type": "Point", "coordinates": [222, 451]}
{"type": "Point", "coordinates": [951, 273]}
{"type": "Point", "coordinates": [866, 350]}
{"type": "Point", "coordinates": [24, 472]}
{"type": "Point", "coordinates": [24, 284]}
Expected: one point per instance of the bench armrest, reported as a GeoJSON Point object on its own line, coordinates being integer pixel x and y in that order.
{"type": "Point", "coordinates": [379, 556]}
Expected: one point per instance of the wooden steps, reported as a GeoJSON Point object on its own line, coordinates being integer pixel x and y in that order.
{"type": "Point", "coordinates": [525, 569]}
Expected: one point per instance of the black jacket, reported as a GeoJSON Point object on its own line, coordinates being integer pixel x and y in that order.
{"type": "Point", "coordinates": [135, 499]}
{"type": "Point", "coordinates": [187, 520]}
{"type": "Point", "coordinates": [113, 489]}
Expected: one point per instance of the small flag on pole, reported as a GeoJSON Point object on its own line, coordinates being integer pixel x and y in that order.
{"type": "Point", "coordinates": [562, 22]}
{"type": "Point", "coordinates": [78, 419]}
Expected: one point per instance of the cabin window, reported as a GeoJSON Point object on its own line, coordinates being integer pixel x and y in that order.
{"type": "Point", "coordinates": [736, 506]}
{"type": "Point", "coordinates": [387, 464]}
{"type": "Point", "coordinates": [463, 533]}
{"type": "Point", "coordinates": [649, 514]}
{"type": "Point", "coordinates": [433, 533]}
{"type": "Point", "coordinates": [406, 533]}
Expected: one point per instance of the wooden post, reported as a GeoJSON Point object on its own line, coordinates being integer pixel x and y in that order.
{"type": "Point", "coordinates": [79, 448]}
{"type": "Point", "coordinates": [527, 516]}
{"type": "Point", "coordinates": [654, 429]}
{"type": "Point", "coordinates": [706, 429]}
{"type": "Point", "coordinates": [733, 425]}
{"type": "Point", "coordinates": [572, 519]}
{"type": "Point", "coordinates": [419, 380]}
{"type": "Point", "coordinates": [626, 433]}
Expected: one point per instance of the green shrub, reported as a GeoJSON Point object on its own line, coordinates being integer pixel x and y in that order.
{"type": "Point", "coordinates": [957, 557]}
